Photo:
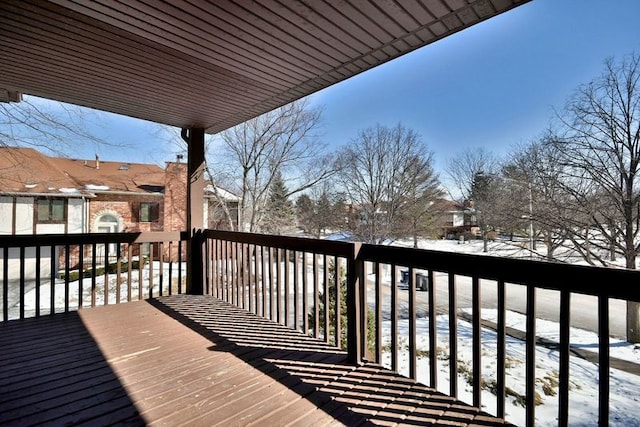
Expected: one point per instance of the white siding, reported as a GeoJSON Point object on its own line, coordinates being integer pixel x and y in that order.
{"type": "Point", "coordinates": [205, 213]}
{"type": "Point", "coordinates": [6, 215]}
{"type": "Point", "coordinates": [75, 216]}
{"type": "Point", "coordinates": [24, 215]}
{"type": "Point", "coordinates": [29, 266]}
{"type": "Point", "coordinates": [50, 229]}
{"type": "Point", "coordinates": [458, 219]}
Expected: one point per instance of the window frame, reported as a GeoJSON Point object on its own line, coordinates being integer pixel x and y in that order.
{"type": "Point", "coordinates": [51, 204]}
{"type": "Point", "coordinates": [152, 212]}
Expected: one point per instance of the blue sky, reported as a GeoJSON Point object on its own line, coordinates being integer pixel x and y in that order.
{"type": "Point", "coordinates": [492, 85]}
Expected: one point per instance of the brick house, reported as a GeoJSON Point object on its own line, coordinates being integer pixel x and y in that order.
{"type": "Point", "coordinates": [456, 218]}
{"type": "Point", "coordinates": [41, 194]}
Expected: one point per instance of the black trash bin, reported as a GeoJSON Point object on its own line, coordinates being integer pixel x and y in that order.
{"type": "Point", "coordinates": [422, 282]}
{"type": "Point", "coordinates": [405, 277]}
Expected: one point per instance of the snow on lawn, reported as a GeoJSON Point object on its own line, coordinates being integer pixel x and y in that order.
{"type": "Point", "coordinates": [579, 338]}
{"type": "Point", "coordinates": [583, 408]}
{"type": "Point", "coordinates": [583, 395]}
{"type": "Point", "coordinates": [59, 289]}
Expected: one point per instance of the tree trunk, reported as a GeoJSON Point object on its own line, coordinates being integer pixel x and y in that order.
{"type": "Point", "coordinates": [612, 251]}
{"type": "Point", "coordinates": [612, 241]}
{"type": "Point", "coordinates": [587, 246]}
{"type": "Point", "coordinates": [633, 308]}
{"type": "Point", "coordinates": [484, 241]}
{"type": "Point", "coordinates": [549, 244]}
{"type": "Point", "coordinates": [633, 322]}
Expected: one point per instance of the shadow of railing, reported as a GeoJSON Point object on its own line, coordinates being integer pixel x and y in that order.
{"type": "Point", "coordinates": [52, 372]}
{"type": "Point", "coordinates": [316, 371]}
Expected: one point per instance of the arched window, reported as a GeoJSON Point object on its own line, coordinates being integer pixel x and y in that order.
{"type": "Point", "coordinates": [107, 222]}
{"type": "Point", "coordinates": [108, 218]}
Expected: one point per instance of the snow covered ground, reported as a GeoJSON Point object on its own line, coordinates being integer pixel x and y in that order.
{"type": "Point", "coordinates": [112, 292]}
{"type": "Point", "coordinates": [583, 410]}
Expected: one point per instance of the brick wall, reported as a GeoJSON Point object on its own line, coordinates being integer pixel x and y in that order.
{"type": "Point", "coordinates": [175, 197]}
{"type": "Point", "coordinates": [127, 209]}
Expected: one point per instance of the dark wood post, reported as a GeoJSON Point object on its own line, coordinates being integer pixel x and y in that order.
{"type": "Point", "coordinates": [355, 281]}
{"type": "Point", "coordinates": [194, 138]}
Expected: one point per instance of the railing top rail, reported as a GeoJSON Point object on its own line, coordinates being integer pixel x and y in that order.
{"type": "Point", "coordinates": [590, 280]}
{"type": "Point", "coordinates": [28, 240]}
{"type": "Point", "coordinates": [327, 247]}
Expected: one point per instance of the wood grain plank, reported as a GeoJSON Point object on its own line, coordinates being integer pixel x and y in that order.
{"type": "Point", "coordinates": [197, 360]}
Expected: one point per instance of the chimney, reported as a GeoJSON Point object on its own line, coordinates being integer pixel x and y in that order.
{"type": "Point", "coordinates": [97, 162]}
{"type": "Point", "coordinates": [179, 158]}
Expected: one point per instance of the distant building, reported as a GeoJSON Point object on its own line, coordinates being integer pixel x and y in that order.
{"type": "Point", "coordinates": [456, 218]}
{"type": "Point", "coordinates": [449, 219]}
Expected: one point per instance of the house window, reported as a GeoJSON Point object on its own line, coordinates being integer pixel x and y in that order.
{"type": "Point", "coordinates": [51, 211]}
{"type": "Point", "coordinates": [149, 212]}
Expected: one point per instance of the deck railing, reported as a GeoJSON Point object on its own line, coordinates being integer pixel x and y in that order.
{"type": "Point", "coordinates": [291, 281]}
{"type": "Point", "coordinates": [344, 293]}
{"type": "Point", "coordinates": [47, 274]}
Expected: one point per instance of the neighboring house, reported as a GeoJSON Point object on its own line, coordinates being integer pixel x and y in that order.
{"type": "Point", "coordinates": [36, 197]}
{"type": "Point", "coordinates": [451, 218]}
{"type": "Point", "coordinates": [47, 195]}
{"type": "Point", "coordinates": [456, 218]}
{"type": "Point", "coordinates": [222, 208]}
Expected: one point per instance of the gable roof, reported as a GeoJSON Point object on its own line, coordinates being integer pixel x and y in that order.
{"type": "Point", "coordinates": [27, 171]}
{"type": "Point", "coordinates": [211, 64]}
{"type": "Point", "coordinates": [100, 176]}
{"type": "Point", "coordinates": [215, 191]}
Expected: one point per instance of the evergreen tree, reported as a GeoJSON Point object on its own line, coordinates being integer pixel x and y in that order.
{"type": "Point", "coordinates": [318, 214]}
{"type": "Point", "coordinates": [280, 212]}
{"type": "Point", "coordinates": [332, 289]}
{"type": "Point", "coordinates": [305, 213]}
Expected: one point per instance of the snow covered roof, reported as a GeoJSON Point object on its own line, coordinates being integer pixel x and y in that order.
{"type": "Point", "coordinates": [106, 176]}
{"type": "Point", "coordinates": [213, 191]}
{"type": "Point", "coordinates": [27, 171]}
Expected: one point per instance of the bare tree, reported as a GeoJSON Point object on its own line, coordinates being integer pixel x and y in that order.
{"type": "Point", "coordinates": [473, 174]}
{"type": "Point", "coordinates": [464, 168]}
{"type": "Point", "coordinates": [601, 150]}
{"type": "Point", "coordinates": [284, 140]}
{"type": "Point", "coordinates": [536, 195]}
{"type": "Point", "coordinates": [387, 174]}
{"type": "Point", "coordinates": [43, 124]}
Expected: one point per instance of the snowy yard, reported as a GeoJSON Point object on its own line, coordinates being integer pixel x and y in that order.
{"type": "Point", "coordinates": [583, 395]}
{"type": "Point", "coordinates": [625, 387]}
{"type": "Point", "coordinates": [113, 291]}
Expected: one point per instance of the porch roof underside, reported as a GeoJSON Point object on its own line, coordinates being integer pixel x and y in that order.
{"type": "Point", "coordinates": [211, 64]}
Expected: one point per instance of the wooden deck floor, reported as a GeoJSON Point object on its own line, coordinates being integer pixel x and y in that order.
{"type": "Point", "coordinates": [192, 360]}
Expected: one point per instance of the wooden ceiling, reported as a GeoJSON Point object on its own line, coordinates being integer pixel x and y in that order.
{"type": "Point", "coordinates": [211, 64]}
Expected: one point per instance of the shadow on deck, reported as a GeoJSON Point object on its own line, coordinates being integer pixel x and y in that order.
{"type": "Point", "coordinates": [195, 360]}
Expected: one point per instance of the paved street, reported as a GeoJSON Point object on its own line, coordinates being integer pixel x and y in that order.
{"type": "Point", "coordinates": [584, 308]}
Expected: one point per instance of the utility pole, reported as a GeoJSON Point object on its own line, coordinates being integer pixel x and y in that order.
{"type": "Point", "coordinates": [530, 220]}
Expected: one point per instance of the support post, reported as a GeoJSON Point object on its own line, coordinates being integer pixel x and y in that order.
{"type": "Point", "coordinates": [531, 241]}
{"type": "Point", "coordinates": [355, 281]}
{"type": "Point", "coordinates": [194, 137]}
